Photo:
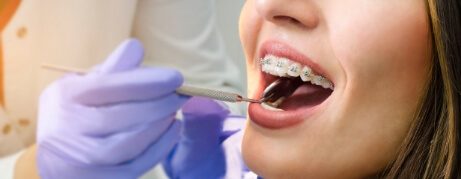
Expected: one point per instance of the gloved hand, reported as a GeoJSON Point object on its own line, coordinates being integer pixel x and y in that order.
{"type": "Point", "coordinates": [200, 152]}
{"type": "Point", "coordinates": [117, 122]}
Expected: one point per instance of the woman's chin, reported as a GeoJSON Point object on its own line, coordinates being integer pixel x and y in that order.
{"type": "Point", "coordinates": [271, 155]}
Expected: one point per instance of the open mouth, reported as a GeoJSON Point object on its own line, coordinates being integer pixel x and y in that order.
{"type": "Point", "coordinates": [297, 86]}
{"type": "Point", "coordinates": [303, 91]}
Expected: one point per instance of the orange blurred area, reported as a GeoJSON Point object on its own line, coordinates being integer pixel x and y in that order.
{"type": "Point", "coordinates": [7, 9]}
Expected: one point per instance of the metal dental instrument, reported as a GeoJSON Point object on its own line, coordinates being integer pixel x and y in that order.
{"type": "Point", "coordinates": [184, 89]}
{"type": "Point", "coordinates": [281, 88]}
{"type": "Point", "coordinates": [213, 94]}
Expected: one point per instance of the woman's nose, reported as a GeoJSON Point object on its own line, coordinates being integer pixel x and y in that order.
{"type": "Point", "coordinates": [300, 13]}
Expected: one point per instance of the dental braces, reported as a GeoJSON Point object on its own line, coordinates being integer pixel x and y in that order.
{"type": "Point", "coordinates": [285, 68]}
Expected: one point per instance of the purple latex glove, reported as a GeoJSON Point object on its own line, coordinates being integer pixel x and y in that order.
{"type": "Point", "coordinates": [117, 122]}
{"type": "Point", "coordinates": [200, 152]}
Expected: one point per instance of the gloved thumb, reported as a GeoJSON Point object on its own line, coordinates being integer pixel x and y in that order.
{"type": "Point", "coordinates": [203, 120]}
{"type": "Point", "coordinates": [128, 55]}
{"type": "Point", "coordinates": [198, 153]}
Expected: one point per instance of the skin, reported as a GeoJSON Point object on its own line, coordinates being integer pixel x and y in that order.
{"type": "Point", "coordinates": [26, 167]}
{"type": "Point", "coordinates": [377, 53]}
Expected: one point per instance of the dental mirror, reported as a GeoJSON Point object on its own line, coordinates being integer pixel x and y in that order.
{"type": "Point", "coordinates": [281, 88]}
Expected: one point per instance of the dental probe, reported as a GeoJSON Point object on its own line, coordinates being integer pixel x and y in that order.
{"type": "Point", "coordinates": [188, 90]}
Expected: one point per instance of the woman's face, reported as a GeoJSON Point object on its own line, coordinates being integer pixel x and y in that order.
{"type": "Point", "coordinates": [375, 53]}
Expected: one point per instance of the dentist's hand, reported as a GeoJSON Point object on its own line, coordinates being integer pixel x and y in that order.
{"type": "Point", "coordinates": [209, 147]}
{"type": "Point", "coordinates": [117, 122]}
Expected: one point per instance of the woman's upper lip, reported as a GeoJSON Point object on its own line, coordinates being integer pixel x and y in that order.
{"type": "Point", "coordinates": [281, 49]}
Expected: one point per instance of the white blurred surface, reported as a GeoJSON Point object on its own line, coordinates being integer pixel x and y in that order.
{"type": "Point", "coordinates": [228, 12]}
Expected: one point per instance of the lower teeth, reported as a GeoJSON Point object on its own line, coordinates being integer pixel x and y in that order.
{"type": "Point", "coordinates": [276, 103]}
{"type": "Point", "coordinates": [270, 107]}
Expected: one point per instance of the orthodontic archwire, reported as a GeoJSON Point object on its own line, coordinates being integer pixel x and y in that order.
{"type": "Point", "coordinates": [185, 89]}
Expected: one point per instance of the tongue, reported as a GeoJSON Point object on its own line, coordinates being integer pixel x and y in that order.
{"type": "Point", "coordinates": [307, 95]}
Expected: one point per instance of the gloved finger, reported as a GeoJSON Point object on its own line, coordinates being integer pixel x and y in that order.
{"type": "Point", "coordinates": [203, 120]}
{"type": "Point", "coordinates": [143, 83]}
{"type": "Point", "coordinates": [128, 55]}
{"type": "Point", "coordinates": [200, 139]}
{"type": "Point", "coordinates": [149, 157]}
{"type": "Point", "coordinates": [158, 150]}
{"type": "Point", "coordinates": [119, 147]}
{"type": "Point", "coordinates": [111, 119]}
{"type": "Point", "coordinates": [232, 125]}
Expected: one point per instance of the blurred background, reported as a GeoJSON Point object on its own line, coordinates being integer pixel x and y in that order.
{"type": "Point", "coordinates": [228, 12]}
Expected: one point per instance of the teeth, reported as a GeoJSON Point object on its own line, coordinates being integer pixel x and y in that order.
{"type": "Point", "coordinates": [306, 74]}
{"type": "Point", "coordinates": [270, 108]}
{"type": "Point", "coordinates": [318, 80]}
{"type": "Point", "coordinates": [294, 70]}
{"type": "Point", "coordinates": [283, 67]}
{"type": "Point", "coordinates": [327, 85]}
{"type": "Point", "coordinates": [267, 63]}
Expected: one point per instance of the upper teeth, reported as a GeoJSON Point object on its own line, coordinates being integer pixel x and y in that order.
{"type": "Point", "coordinates": [283, 67]}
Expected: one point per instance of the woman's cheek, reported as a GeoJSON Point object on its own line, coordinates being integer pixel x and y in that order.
{"type": "Point", "coordinates": [393, 50]}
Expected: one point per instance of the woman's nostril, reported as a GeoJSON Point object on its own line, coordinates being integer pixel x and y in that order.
{"type": "Point", "coordinates": [288, 19]}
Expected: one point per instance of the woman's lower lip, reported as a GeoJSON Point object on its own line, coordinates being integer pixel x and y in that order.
{"type": "Point", "coordinates": [277, 119]}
